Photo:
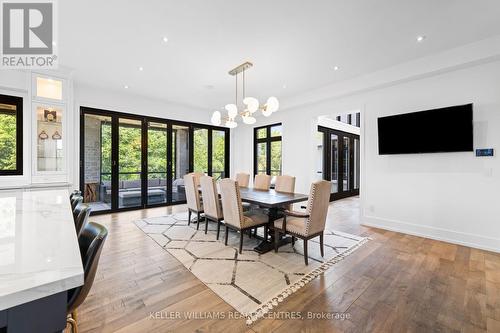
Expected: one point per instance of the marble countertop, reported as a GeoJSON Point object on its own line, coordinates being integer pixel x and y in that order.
{"type": "Point", "coordinates": [39, 254]}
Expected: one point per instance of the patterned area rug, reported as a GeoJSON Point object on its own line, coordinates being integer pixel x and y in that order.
{"type": "Point", "coordinates": [251, 283]}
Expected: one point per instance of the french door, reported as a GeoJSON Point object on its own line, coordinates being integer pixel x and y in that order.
{"type": "Point", "coordinates": [132, 162]}
{"type": "Point", "coordinates": [341, 158]}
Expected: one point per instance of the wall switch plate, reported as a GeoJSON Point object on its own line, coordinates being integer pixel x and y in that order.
{"type": "Point", "coordinates": [484, 152]}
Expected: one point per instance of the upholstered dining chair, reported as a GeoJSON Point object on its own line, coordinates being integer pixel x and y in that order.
{"type": "Point", "coordinates": [81, 215]}
{"type": "Point", "coordinates": [243, 179]}
{"type": "Point", "coordinates": [211, 202]}
{"type": "Point", "coordinates": [197, 176]}
{"type": "Point", "coordinates": [285, 184]}
{"type": "Point", "coordinates": [234, 218]}
{"type": "Point", "coordinates": [262, 182]}
{"type": "Point", "coordinates": [74, 193]}
{"type": "Point", "coordinates": [193, 198]}
{"type": "Point", "coordinates": [308, 224]}
{"type": "Point", "coordinates": [91, 242]}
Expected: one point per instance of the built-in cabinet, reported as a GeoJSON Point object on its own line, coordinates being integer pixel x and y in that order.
{"type": "Point", "coordinates": [50, 121]}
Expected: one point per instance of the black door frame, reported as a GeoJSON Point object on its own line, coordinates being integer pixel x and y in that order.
{"type": "Point", "coordinates": [115, 116]}
{"type": "Point", "coordinates": [327, 161]}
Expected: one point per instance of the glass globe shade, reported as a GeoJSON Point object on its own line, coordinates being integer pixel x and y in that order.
{"type": "Point", "coordinates": [216, 121]}
{"type": "Point", "coordinates": [232, 110]}
{"type": "Point", "coordinates": [252, 104]}
{"type": "Point", "coordinates": [249, 120]}
{"type": "Point", "coordinates": [231, 124]}
{"type": "Point", "coordinates": [266, 113]}
{"type": "Point", "coordinates": [272, 104]}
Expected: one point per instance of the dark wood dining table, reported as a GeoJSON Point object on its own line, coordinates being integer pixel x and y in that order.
{"type": "Point", "coordinates": [275, 202]}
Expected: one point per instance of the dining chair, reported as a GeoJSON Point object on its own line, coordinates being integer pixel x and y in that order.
{"type": "Point", "coordinates": [74, 193]}
{"type": "Point", "coordinates": [285, 184]}
{"type": "Point", "coordinates": [193, 198]}
{"type": "Point", "coordinates": [262, 182]}
{"type": "Point", "coordinates": [308, 224]}
{"type": "Point", "coordinates": [234, 218]}
{"type": "Point", "coordinates": [197, 176]}
{"type": "Point", "coordinates": [81, 215]}
{"type": "Point", "coordinates": [91, 241]}
{"type": "Point", "coordinates": [211, 202]}
{"type": "Point", "coordinates": [243, 179]}
{"type": "Point", "coordinates": [75, 201]}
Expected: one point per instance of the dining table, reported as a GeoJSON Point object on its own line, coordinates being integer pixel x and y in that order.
{"type": "Point", "coordinates": [275, 203]}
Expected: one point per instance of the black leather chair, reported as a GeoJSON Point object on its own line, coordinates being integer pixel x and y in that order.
{"type": "Point", "coordinates": [77, 199]}
{"type": "Point", "coordinates": [75, 193]}
{"type": "Point", "coordinates": [81, 215]}
{"type": "Point", "coordinates": [91, 242]}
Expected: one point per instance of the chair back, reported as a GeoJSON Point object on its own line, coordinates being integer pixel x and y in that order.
{"type": "Point", "coordinates": [262, 182]}
{"type": "Point", "coordinates": [243, 179]}
{"type": "Point", "coordinates": [91, 241]}
{"type": "Point", "coordinates": [285, 184]}
{"type": "Point", "coordinates": [317, 206]}
{"type": "Point", "coordinates": [75, 201]}
{"type": "Point", "coordinates": [231, 202]}
{"type": "Point", "coordinates": [211, 203]}
{"type": "Point", "coordinates": [197, 176]}
{"type": "Point", "coordinates": [74, 193]}
{"type": "Point", "coordinates": [192, 193]}
{"type": "Point", "coordinates": [81, 215]}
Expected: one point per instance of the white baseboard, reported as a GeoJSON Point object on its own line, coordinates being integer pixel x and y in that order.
{"type": "Point", "coordinates": [445, 235]}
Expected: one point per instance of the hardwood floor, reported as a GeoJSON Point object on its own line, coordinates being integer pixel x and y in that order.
{"type": "Point", "coordinates": [394, 283]}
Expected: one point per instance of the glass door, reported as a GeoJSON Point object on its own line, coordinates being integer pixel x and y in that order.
{"type": "Point", "coordinates": [341, 162]}
{"type": "Point", "coordinates": [179, 153]}
{"type": "Point", "coordinates": [97, 161]}
{"type": "Point", "coordinates": [157, 161]}
{"type": "Point", "coordinates": [129, 163]}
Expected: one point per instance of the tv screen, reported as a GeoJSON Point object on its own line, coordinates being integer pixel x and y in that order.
{"type": "Point", "coordinates": [434, 131]}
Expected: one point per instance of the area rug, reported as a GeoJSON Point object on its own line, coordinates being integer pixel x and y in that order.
{"type": "Point", "coordinates": [251, 283]}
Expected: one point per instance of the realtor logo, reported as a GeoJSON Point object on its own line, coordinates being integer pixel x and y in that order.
{"type": "Point", "coordinates": [28, 34]}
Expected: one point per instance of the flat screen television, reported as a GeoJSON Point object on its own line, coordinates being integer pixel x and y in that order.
{"type": "Point", "coordinates": [433, 131]}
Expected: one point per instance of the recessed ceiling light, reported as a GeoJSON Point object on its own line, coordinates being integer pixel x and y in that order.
{"type": "Point", "coordinates": [141, 68]}
{"type": "Point", "coordinates": [336, 68]}
{"type": "Point", "coordinates": [165, 39]}
{"type": "Point", "coordinates": [125, 86]}
{"type": "Point", "coordinates": [284, 86]}
{"type": "Point", "coordinates": [420, 38]}
{"type": "Point", "coordinates": [54, 43]}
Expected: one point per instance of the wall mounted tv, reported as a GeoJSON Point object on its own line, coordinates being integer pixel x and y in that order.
{"type": "Point", "coordinates": [433, 131]}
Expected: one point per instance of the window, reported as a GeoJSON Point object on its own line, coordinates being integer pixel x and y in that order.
{"type": "Point", "coordinates": [11, 135]}
{"type": "Point", "coordinates": [267, 150]}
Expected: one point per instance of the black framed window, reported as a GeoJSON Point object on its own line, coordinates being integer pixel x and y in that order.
{"type": "Point", "coordinates": [11, 135]}
{"type": "Point", "coordinates": [267, 150]}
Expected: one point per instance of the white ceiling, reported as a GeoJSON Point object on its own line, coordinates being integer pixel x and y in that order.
{"type": "Point", "coordinates": [292, 43]}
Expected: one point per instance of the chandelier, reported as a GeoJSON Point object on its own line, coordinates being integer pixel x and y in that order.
{"type": "Point", "coordinates": [251, 104]}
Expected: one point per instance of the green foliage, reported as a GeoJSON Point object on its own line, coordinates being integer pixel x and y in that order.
{"type": "Point", "coordinates": [130, 152]}
{"type": "Point", "coordinates": [7, 142]}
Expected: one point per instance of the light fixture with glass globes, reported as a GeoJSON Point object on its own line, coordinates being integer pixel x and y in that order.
{"type": "Point", "coordinates": [251, 104]}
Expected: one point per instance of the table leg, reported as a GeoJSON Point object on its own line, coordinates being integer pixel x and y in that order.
{"type": "Point", "coordinates": [267, 244]}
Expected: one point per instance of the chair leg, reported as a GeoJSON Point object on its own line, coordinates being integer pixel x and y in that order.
{"type": "Point", "coordinates": [227, 233]}
{"type": "Point", "coordinates": [265, 233]}
{"type": "Point", "coordinates": [321, 245]}
{"type": "Point", "coordinates": [198, 221]}
{"type": "Point", "coordinates": [74, 326]}
{"type": "Point", "coordinates": [241, 240]}
{"type": "Point", "coordinates": [249, 233]}
{"type": "Point", "coordinates": [189, 217]}
{"type": "Point", "coordinates": [293, 241]}
{"type": "Point", "coordinates": [218, 229]}
{"type": "Point", "coordinates": [276, 236]}
{"type": "Point", "coordinates": [305, 252]}
{"type": "Point", "coordinates": [206, 224]}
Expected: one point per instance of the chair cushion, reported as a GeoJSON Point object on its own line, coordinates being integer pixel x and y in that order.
{"type": "Point", "coordinates": [296, 225]}
{"type": "Point", "coordinates": [254, 217]}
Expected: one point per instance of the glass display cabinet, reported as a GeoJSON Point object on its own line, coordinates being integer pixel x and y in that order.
{"type": "Point", "coordinates": [50, 144]}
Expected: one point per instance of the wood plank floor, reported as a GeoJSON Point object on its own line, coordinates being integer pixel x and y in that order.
{"type": "Point", "coordinates": [395, 283]}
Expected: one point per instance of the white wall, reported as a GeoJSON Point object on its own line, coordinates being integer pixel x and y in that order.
{"type": "Point", "coordinates": [451, 196]}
